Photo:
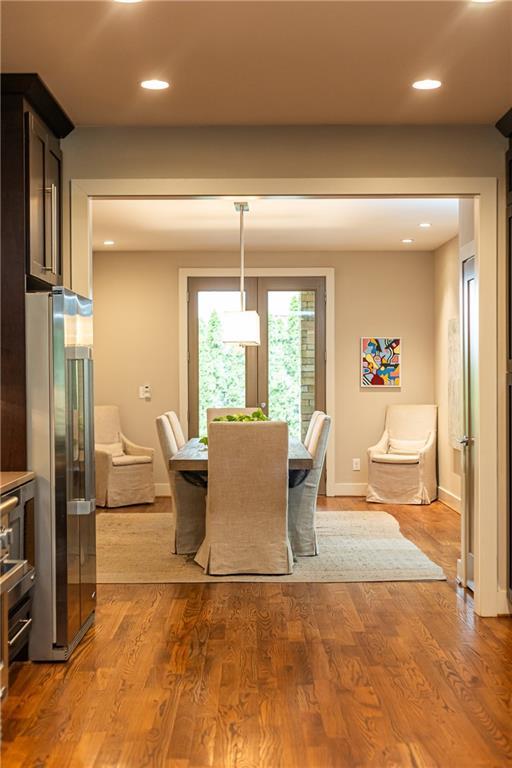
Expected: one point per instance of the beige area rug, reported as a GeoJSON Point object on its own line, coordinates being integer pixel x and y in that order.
{"type": "Point", "coordinates": [135, 548]}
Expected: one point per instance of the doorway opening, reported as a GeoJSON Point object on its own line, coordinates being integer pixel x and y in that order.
{"type": "Point", "coordinates": [204, 267]}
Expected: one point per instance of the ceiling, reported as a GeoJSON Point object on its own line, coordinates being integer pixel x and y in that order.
{"type": "Point", "coordinates": [255, 63]}
{"type": "Point", "coordinates": [278, 224]}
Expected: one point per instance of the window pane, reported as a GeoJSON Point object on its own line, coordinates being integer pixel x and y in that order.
{"type": "Point", "coordinates": [291, 358]}
{"type": "Point", "coordinates": [221, 366]}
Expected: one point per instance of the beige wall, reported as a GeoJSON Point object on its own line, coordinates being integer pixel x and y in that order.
{"type": "Point", "coordinates": [280, 152]}
{"type": "Point", "coordinates": [446, 304]}
{"type": "Point", "coordinates": [136, 337]}
{"type": "Point", "coordinates": [306, 152]}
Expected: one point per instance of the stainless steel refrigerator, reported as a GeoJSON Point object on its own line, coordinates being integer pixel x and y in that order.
{"type": "Point", "coordinates": [60, 427]}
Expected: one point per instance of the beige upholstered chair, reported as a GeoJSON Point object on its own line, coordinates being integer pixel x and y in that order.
{"type": "Point", "coordinates": [214, 413]}
{"type": "Point", "coordinates": [188, 500]}
{"type": "Point", "coordinates": [246, 512]}
{"type": "Point", "coordinates": [302, 499]}
{"type": "Point", "coordinates": [311, 426]}
{"type": "Point", "coordinates": [402, 465]}
{"type": "Point", "coordinates": [176, 428]}
{"type": "Point", "coordinates": [124, 470]}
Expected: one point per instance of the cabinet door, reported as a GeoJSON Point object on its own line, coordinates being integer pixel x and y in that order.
{"type": "Point", "coordinates": [44, 202]}
{"type": "Point", "coordinates": [36, 218]}
{"type": "Point", "coordinates": [53, 209]}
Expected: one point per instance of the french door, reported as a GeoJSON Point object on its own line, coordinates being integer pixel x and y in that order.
{"type": "Point", "coordinates": [285, 376]}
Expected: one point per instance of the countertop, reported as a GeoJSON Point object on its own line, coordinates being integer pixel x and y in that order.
{"type": "Point", "coordinates": [11, 480]}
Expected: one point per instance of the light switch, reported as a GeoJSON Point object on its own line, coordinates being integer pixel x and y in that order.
{"type": "Point", "coordinates": [145, 392]}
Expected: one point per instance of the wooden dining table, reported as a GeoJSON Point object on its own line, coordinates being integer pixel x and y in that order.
{"type": "Point", "coordinates": [193, 458]}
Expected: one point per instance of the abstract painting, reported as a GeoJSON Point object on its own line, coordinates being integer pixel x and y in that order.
{"type": "Point", "coordinates": [381, 362]}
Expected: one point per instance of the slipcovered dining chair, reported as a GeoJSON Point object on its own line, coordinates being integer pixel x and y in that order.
{"type": "Point", "coordinates": [302, 499]}
{"type": "Point", "coordinates": [188, 500]}
{"type": "Point", "coordinates": [124, 470]}
{"type": "Point", "coordinates": [311, 425]}
{"type": "Point", "coordinates": [176, 428]}
{"type": "Point", "coordinates": [246, 510]}
{"type": "Point", "coordinates": [214, 413]}
{"type": "Point", "coordinates": [402, 465]}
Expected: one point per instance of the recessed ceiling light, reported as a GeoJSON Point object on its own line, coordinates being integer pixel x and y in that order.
{"type": "Point", "coordinates": [426, 85]}
{"type": "Point", "coordinates": [425, 225]}
{"type": "Point", "coordinates": [407, 240]}
{"type": "Point", "coordinates": [128, 1]}
{"type": "Point", "coordinates": [108, 242]}
{"type": "Point", "coordinates": [155, 85]}
{"type": "Point", "coordinates": [483, 1]}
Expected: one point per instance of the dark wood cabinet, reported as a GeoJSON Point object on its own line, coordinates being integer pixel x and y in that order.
{"type": "Point", "coordinates": [31, 223]}
{"type": "Point", "coordinates": [505, 127]}
{"type": "Point", "coordinates": [44, 221]}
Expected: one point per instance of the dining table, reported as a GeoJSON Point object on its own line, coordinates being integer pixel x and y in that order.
{"type": "Point", "coordinates": [192, 461]}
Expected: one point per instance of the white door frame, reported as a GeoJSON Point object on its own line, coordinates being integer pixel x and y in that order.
{"type": "Point", "coordinates": [330, 400]}
{"type": "Point", "coordinates": [486, 594]}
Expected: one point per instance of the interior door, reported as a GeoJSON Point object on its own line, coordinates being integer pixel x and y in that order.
{"type": "Point", "coordinates": [470, 378]}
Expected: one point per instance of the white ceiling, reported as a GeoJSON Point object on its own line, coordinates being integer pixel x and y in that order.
{"type": "Point", "coordinates": [266, 63]}
{"type": "Point", "coordinates": [278, 224]}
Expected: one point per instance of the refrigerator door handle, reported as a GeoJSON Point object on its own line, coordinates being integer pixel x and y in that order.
{"type": "Point", "coordinates": [90, 475]}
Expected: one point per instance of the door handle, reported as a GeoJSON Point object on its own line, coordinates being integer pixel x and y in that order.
{"type": "Point", "coordinates": [465, 441]}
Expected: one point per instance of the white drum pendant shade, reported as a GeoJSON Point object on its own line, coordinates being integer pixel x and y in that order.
{"type": "Point", "coordinates": [241, 328]}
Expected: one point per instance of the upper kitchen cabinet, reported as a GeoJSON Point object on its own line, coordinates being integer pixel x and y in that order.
{"type": "Point", "coordinates": [31, 251]}
{"type": "Point", "coordinates": [32, 124]}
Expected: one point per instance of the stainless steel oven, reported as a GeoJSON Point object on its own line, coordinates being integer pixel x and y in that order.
{"type": "Point", "coordinates": [17, 575]}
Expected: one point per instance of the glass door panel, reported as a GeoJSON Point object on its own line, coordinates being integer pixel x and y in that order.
{"type": "Point", "coordinates": [220, 375]}
{"type": "Point", "coordinates": [221, 366]}
{"type": "Point", "coordinates": [291, 358]}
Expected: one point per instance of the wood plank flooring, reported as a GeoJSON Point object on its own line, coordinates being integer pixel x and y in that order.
{"type": "Point", "coordinates": [277, 675]}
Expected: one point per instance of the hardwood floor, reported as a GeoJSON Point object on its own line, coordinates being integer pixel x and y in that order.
{"type": "Point", "coordinates": [278, 675]}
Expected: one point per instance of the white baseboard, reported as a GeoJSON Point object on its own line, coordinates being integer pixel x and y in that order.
{"type": "Point", "coordinates": [504, 607]}
{"type": "Point", "coordinates": [449, 498]}
{"type": "Point", "coordinates": [350, 489]}
{"type": "Point", "coordinates": [162, 489]}
{"type": "Point", "coordinates": [345, 489]}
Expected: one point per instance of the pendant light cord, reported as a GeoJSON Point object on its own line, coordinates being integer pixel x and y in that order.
{"type": "Point", "coordinates": [242, 260]}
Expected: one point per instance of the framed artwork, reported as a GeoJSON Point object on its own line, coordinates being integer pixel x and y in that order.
{"type": "Point", "coordinates": [381, 362]}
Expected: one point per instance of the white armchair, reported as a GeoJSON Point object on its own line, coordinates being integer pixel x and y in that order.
{"type": "Point", "coordinates": [124, 470]}
{"type": "Point", "coordinates": [402, 466]}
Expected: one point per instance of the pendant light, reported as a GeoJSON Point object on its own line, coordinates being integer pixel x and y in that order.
{"type": "Point", "coordinates": [242, 327]}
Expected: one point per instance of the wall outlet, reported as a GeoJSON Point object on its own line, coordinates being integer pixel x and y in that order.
{"type": "Point", "coordinates": [145, 392]}
{"type": "Point", "coordinates": [356, 465]}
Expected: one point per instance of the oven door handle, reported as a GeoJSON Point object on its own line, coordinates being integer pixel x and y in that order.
{"type": "Point", "coordinates": [9, 504]}
{"type": "Point", "coordinates": [25, 625]}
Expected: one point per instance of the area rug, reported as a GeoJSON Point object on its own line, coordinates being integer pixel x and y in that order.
{"type": "Point", "coordinates": [135, 548]}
